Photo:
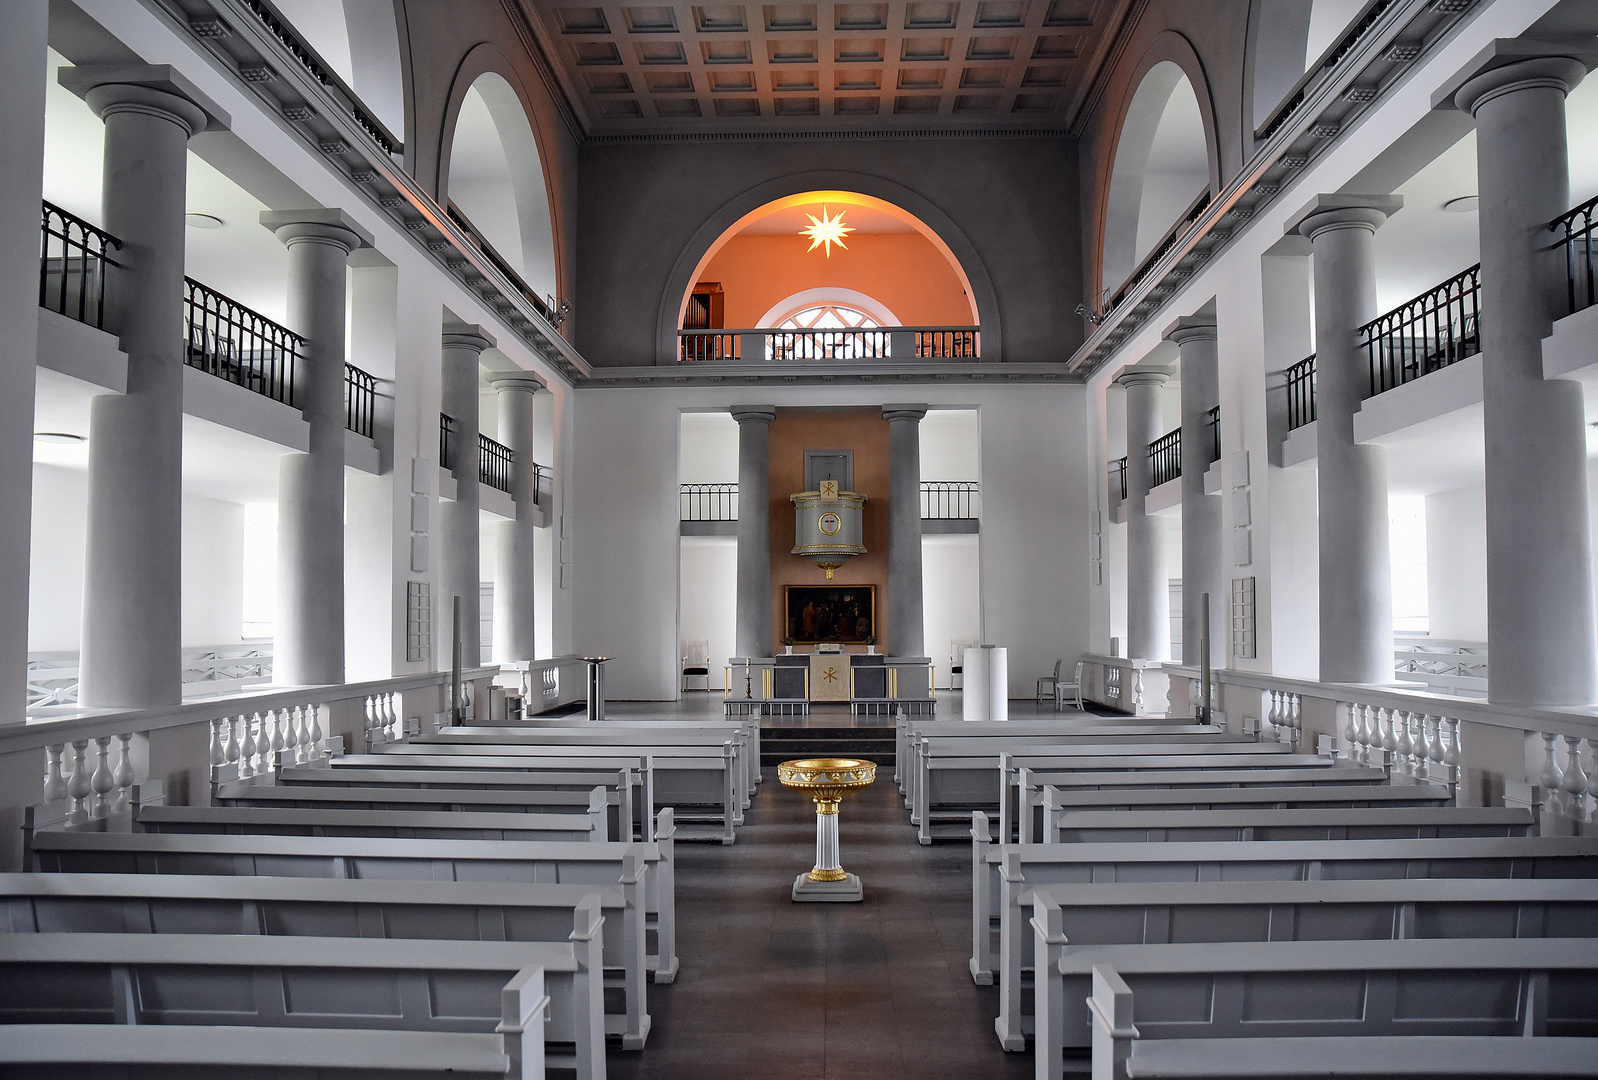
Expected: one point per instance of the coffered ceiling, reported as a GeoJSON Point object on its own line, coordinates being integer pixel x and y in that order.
{"type": "Point", "coordinates": [631, 69]}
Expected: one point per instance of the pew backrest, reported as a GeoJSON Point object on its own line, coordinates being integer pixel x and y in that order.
{"type": "Point", "coordinates": [430, 824]}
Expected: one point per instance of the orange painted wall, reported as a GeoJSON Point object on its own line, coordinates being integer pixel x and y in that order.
{"type": "Point", "coordinates": [792, 433]}
{"type": "Point", "coordinates": [901, 270]}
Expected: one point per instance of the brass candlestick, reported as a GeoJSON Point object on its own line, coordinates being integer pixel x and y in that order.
{"type": "Point", "coordinates": [827, 781]}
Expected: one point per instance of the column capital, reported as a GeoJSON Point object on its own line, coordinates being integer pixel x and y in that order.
{"type": "Point", "coordinates": [467, 336]}
{"type": "Point", "coordinates": [1510, 64]}
{"type": "Point", "coordinates": [1191, 328]}
{"type": "Point", "coordinates": [1330, 212]}
{"type": "Point", "coordinates": [1143, 374]}
{"type": "Point", "coordinates": [763, 414]}
{"type": "Point", "coordinates": [155, 89]}
{"type": "Point", "coordinates": [513, 381]}
{"type": "Point", "coordinates": [913, 413]}
{"type": "Point", "coordinates": [316, 226]}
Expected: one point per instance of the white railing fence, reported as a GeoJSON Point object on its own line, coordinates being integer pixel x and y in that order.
{"type": "Point", "coordinates": [207, 671]}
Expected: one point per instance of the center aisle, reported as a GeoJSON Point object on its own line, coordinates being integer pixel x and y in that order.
{"type": "Point", "coordinates": [771, 989]}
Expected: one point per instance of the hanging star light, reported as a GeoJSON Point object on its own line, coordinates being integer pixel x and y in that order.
{"type": "Point", "coordinates": [826, 231]}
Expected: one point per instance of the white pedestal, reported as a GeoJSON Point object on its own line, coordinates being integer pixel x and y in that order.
{"type": "Point", "coordinates": [847, 891]}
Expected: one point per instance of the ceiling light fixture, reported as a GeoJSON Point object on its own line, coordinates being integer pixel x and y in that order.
{"type": "Point", "coordinates": [826, 231]}
{"type": "Point", "coordinates": [202, 221]}
{"type": "Point", "coordinates": [57, 437]}
{"type": "Point", "coordinates": [1464, 204]}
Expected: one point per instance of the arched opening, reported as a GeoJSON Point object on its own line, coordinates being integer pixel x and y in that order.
{"type": "Point", "coordinates": [1161, 168]}
{"type": "Point", "coordinates": [891, 268]}
{"type": "Point", "coordinates": [1286, 38]}
{"type": "Point", "coordinates": [496, 181]}
{"type": "Point", "coordinates": [359, 40]}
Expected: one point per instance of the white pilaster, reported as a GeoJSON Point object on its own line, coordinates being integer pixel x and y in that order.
{"type": "Point", "coordinates": [515, 596]}
{"type": "Point", "coordinates": [460, 571]}
{"type": "Point", "coordinates": [1148, 598]}
{"type": "Point", "coordinates": [1202, 554]}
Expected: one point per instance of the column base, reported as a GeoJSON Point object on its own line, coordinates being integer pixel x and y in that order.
{"type": "Point", "coordinates": [847, 891]}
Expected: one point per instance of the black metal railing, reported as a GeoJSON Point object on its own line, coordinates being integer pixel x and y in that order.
{"type": "Point", "coordinates": [950, 500]}
{"type": "Point", "coordinates": [494, 461]}
{"type": "Point", "coordinates": [226, 339]}
{"type": "Point", "coordinates": [1118, 477]}
{"type": "Point", "coordinates": [699, 345]}
{"type": "Point", "coordinates": [543, 484]}
{"type": "Point", "coordinates": [1575, 234]}
{"type": "Point", "coordinates": [446, 441]}
{"type": "Point", "coordinates": [73, 256]}
{"type": "Point", "coordinates": [360, 401]}
{"type": "Point", "coordinates": [1301, 393]}
{"type": "Point", "coordinates": [948, 343]}
{"type": "Point", "coordinates": [827, 345]}
{"type": "Point", "coordinates": [708, 502]}
{"type": "Point", "coordinates": [1165, 458]}
{"type": "Point", "coordinates": [1213, 419]}
{"type": "Point", "coordinates": [1442, 326]}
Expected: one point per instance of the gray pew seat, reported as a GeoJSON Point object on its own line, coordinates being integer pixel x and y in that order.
{"type": "Point", "coordinates": [275, 906]}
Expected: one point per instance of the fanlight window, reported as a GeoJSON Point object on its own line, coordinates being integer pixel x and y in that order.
{"type": "Point", "coordinates": [829, 332]}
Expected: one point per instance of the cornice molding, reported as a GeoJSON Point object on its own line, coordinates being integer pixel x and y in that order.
{"type": "Point", "coordinates": [1106, 59]}
{"type": "Point", "coordinates": [822, 135]}
{"type": "Point", "coordinates": [570, 113]}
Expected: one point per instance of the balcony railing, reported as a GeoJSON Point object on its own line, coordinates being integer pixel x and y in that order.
{"type": "Point", "coordinates": [1195, 210]}
{"type": "Point", "coordinates": [1301, 393]}
{"type": "Point", "coordinates": [1118, 477]}
{"type": "Point", "coordinates": [360, 401]}
{"type": "Point", "coordinates": [228, 340]}
{"type": "Point", "coordinates": [1440, 327]}
{"type": "Point", "coordinates": [542, 305]}
{"type": "Point", "coordinates": [817, 345]}
{"type": "Point", "coordinates": [1575, 233]}
{"type": "Point", "coordinates": [446, 441]}
{"type": "Point", "coordinates": [1165, 458]}
{"type": "Point", "coordinates": [73, 256]}
{"type": "Point", "coordinates": [950, 500]}
{"type": "Point", "coordinates": [1213, 419]}
{"type": "Point", "coordinates": [493, 463]}
{"type": "Point", "coordinates": [709, 502]}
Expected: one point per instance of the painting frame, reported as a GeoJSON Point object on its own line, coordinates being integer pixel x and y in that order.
{"type": "Point", "coordinates": [803, 628]}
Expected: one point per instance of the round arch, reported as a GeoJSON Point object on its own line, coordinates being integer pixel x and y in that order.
{"type": "Point", "coordinates": [931, 222]}
{"type": "Point", "coordinates": [488, 78]}
{"type": "Point", "coordinates": [870, 305]}
{"type": "Point", "coordinates": [1169, 60]}
{"type": "Point", "coordinates": [360, 41]}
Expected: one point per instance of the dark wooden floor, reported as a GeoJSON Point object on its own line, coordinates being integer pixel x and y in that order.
{"type": "Point", "coordinates": [772, 989]}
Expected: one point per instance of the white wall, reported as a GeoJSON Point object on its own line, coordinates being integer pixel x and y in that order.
{"type": "Point", "coordinates": [950, 447]}
{"type": "Point", "coordinates": [1036, 478]}
{"type": "Point", "coordinates": [1456, 564]}
{"type": "Point", "coordinates": [708, 452]}
{"type": "Point", "coordinates": [213, 565]}
{"type": "Point", "coordinates": [709, 590]}
{"type": "Point", "coordinates": [951, 604]}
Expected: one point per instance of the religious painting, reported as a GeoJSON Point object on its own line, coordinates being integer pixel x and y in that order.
{"type": "Point", "coordinates": [846, 614]}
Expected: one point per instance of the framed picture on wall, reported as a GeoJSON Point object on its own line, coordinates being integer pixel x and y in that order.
{"type": "Point", "coordinates": [817, 614]}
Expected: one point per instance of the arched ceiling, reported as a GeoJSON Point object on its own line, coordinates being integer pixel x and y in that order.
{"type": "Point", "coordinates": [692, 68]}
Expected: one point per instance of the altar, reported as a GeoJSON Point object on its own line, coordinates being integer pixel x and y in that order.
{"type": "Point", "coordinates": [868, 682]}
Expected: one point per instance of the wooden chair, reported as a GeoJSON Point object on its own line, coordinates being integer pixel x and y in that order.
{"type": "Point", "coordinates": [696, 664]}
{"type": "Point", "coordinates": [1072, 688]}
{"type": "Point", "coordinates": [1049, 686]}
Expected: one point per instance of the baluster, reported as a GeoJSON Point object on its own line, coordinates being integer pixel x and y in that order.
{"type": "Point", "coordinates": [1401, 740]}
{"type": "Point", "coordinates": [314, 714]}
{"type": "Point", "coordinates": [391, 710]}
{"type": "Point", "coordinates": [1296, 711]}
{"type": "Point", "coordinates": [1552, 776]}
{"type": "Point", "coordinates": [79, 786]}
{"type": "Point", "coordinates": [230, 752]}
{"type": "Point", "coordinates": [1357, 718]}
{"type": "Point", "coordinates": [101, 780]}
{"type": "Point", "coordinates": [368, 731]}
{"type": "Point", "coordinates": [124, 774]}
{"type": "Point", "coordinates": [55, 785]}
{"type": "Point", "coordinates": [1269, 718]}
{"type": "Point", "coordinates": [1390, 737]}
{"type": "Point", "coordinates": [1437, 748]}
{"type": "Point", "coordinates": [276, 716]}
{"type": "Point", "coordinates": [263, 743]}
{"type": "Point", "coordinates": [291, 736]}
{"type": "Point", "coordinates": [218, 752]}
{"type": "Point", "coordinates": [1452, 756]}
{"type": "Point", "coordinates": [1423, 749]}
{"type": "Point", "coordinates": [1575, 785]}
{"type": "Point", "coordinates": [1592, 787]}
{"type": "Point", "coordinates": [246, 741]}
{"type": "Point", "coordinates": [1350, 734]}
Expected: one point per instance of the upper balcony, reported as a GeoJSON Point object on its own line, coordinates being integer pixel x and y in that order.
{"type": "Point", "coordinates": [757, 346]}
{"type": "Point", "coordinates": [947, 506]}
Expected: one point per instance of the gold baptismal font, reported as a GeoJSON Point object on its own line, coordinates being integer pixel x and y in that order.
{"type": "Point", "coordinates": [827, 781]}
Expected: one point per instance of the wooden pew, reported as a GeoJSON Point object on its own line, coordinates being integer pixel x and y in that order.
{"type": "Point", "coordinates": [1066, 918]}
{"type": "Point", "coordinates": [384, 859]}
{"type": "Point", "coordinates": [181, 1052]}
{"type": "Point", "coordinates": [1438, 1008]}
{"type": "Point", "coordinates": [951, 777]}
{"type": "Point", "coordinates": [1001, 873]}
{"type": "Point", "coordinates": [684, 780]}
{"type": "Point", "coordinates": [1352, 823]}
{"type": "Point", "coordinates": [465, 800]}
{"type": "Point", "coordinates": [410, 985]}
{"type": "Point", "coordinates": [433, 824]}
{"type": "Point", "coordinates": [275, 906]}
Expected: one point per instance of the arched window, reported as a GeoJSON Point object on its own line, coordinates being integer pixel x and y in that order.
{"type": "Point", "coordinates": [828, 332]}
{"type": "Point", "coordinates": [828, 317]}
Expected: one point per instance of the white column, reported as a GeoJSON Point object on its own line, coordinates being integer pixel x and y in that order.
{"type": "Point", "coordinates": [23, 72]}
{"type": "Point", "coordinates": [1202, 555]}
{"type": "Point", "coordinates": [1539, 547]}
{"type": "Point", "coordinates": [906, 622]}
{"type": "Point", "coordinates": [459, 572]}
{"type": "Point", "coordinates": [132, 618]}
{"type": "Point", "coordinates": [754, 528]}
{"type": "Point", "coordinates": [308, 640]}
{"type": "Point", "coordinates": [1356, 589]}
{"type": "Point", "coordinates": [516, 583]}
{"type": "Point", "coordinates": [1148, 597]}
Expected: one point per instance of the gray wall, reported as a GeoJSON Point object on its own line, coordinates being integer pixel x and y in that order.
{"type": "Point", "coordinates": [1007, 207]}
